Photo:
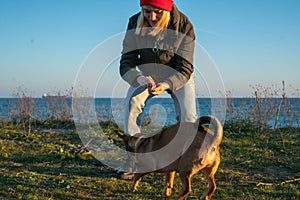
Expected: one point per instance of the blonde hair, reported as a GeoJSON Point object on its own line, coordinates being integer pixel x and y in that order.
{"type": "Point", "coordinates": [143, 25]}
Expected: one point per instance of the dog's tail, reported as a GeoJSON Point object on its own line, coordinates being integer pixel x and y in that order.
{"type": "Point", "coordinates": [217, 132]}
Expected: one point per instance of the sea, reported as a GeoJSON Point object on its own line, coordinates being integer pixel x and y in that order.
{"type": "Point", "coordinates": [273, 112]}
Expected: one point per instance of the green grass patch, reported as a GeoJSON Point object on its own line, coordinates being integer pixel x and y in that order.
{"type": "Point", "coordinates": [47, 163]}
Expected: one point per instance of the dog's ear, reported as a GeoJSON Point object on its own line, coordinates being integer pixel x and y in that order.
{"type": "Point", "coordinates": [123, 136]}
{"type": "Point", "coordinates": [120, 134]}
{"type": "Point", "coordinates": [126, 139]}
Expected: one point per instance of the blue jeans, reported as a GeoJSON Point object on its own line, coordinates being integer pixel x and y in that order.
{"type": "Point", "coordinates": [184, 101]}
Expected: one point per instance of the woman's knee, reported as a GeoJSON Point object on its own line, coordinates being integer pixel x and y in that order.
{"type": "Point", "coordinates": [136, 101]}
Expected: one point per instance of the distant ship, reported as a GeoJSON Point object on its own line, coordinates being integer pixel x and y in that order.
{"type": "Point", "coordinates": [45, 95]}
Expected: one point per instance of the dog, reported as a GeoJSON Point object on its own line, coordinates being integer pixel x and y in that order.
{"type": "Point", "coordinates": [201, 153]}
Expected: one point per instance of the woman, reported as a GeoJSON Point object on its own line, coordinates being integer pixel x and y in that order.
{"type": "Point", "coordinates": [157, 56]}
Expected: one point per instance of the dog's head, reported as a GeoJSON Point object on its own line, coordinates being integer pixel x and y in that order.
{"type": "Point", "coordinates": [130, 141]}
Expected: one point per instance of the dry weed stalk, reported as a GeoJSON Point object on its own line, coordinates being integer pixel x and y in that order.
{"type": "Point", "coordinates": [265, 108]}
{"type": "Point", "coordinates": [279, 105]}
{"type": "Point", "coordinates": [58, 106]}
{"type": "Point", "coordinates": [23, 111]}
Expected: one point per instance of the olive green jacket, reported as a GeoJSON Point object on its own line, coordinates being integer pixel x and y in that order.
{"type": "Point", "coordinates": [166, 57]}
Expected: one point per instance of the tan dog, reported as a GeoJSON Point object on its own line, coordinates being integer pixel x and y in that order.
{"type": "Point", "coordinates": [202, 153]}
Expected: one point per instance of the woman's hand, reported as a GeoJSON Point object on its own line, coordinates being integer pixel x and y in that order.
{"type": "Point", "coordinates": [159, 88]}
{"type": "Point", "coordinates": [146, 81]}
{"type": "Point", "coordinates": [155, 89]}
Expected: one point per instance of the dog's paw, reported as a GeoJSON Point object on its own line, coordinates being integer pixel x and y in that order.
{"type": "Point", "coordinates": [133, 189]}
{"type": "Point", "coordinates": [167, 192]}
{"type": "Point", "coordinates": [204, 197]}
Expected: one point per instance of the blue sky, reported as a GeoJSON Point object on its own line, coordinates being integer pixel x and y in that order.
{"type": "Point", "coordinates": [43, 43]}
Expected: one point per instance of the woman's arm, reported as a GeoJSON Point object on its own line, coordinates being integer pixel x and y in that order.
{"type": "Point", "coordinates": [184, 57]}
{"type": "Point", "coordinates": [130, 55]}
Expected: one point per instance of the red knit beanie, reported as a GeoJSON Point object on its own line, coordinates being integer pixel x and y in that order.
{"type": "Point", "coordinates": [162, 4]}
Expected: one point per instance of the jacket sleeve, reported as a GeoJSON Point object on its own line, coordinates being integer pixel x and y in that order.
{"type": "Point", "coordinates": [130, 56]}
{"type": "Point", "coordinates": [183, 60]}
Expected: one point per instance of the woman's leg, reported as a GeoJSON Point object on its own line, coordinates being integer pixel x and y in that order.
{"type": "Point", "coordinates": [134, 104]}
{"type": "Point", "coordinates": [185, 102]}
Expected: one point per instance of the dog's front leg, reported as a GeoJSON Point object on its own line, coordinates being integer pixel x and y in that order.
{"type": "Point", "coordinates": [135, 181]}
{"type": "Point", "coordinates": [169, 183]}
{"type": "Point", "coordinates": [186, 185]}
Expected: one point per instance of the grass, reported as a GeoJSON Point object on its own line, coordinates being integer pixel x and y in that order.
{"type": "Point", "coordinates": [48, 163]}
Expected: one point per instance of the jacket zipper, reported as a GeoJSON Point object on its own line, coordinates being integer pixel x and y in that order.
{"type": "Point", "coordinates": [155, 51]}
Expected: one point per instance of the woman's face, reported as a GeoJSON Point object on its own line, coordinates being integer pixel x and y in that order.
{"type": "Point", "coordinates": [152, 14]}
